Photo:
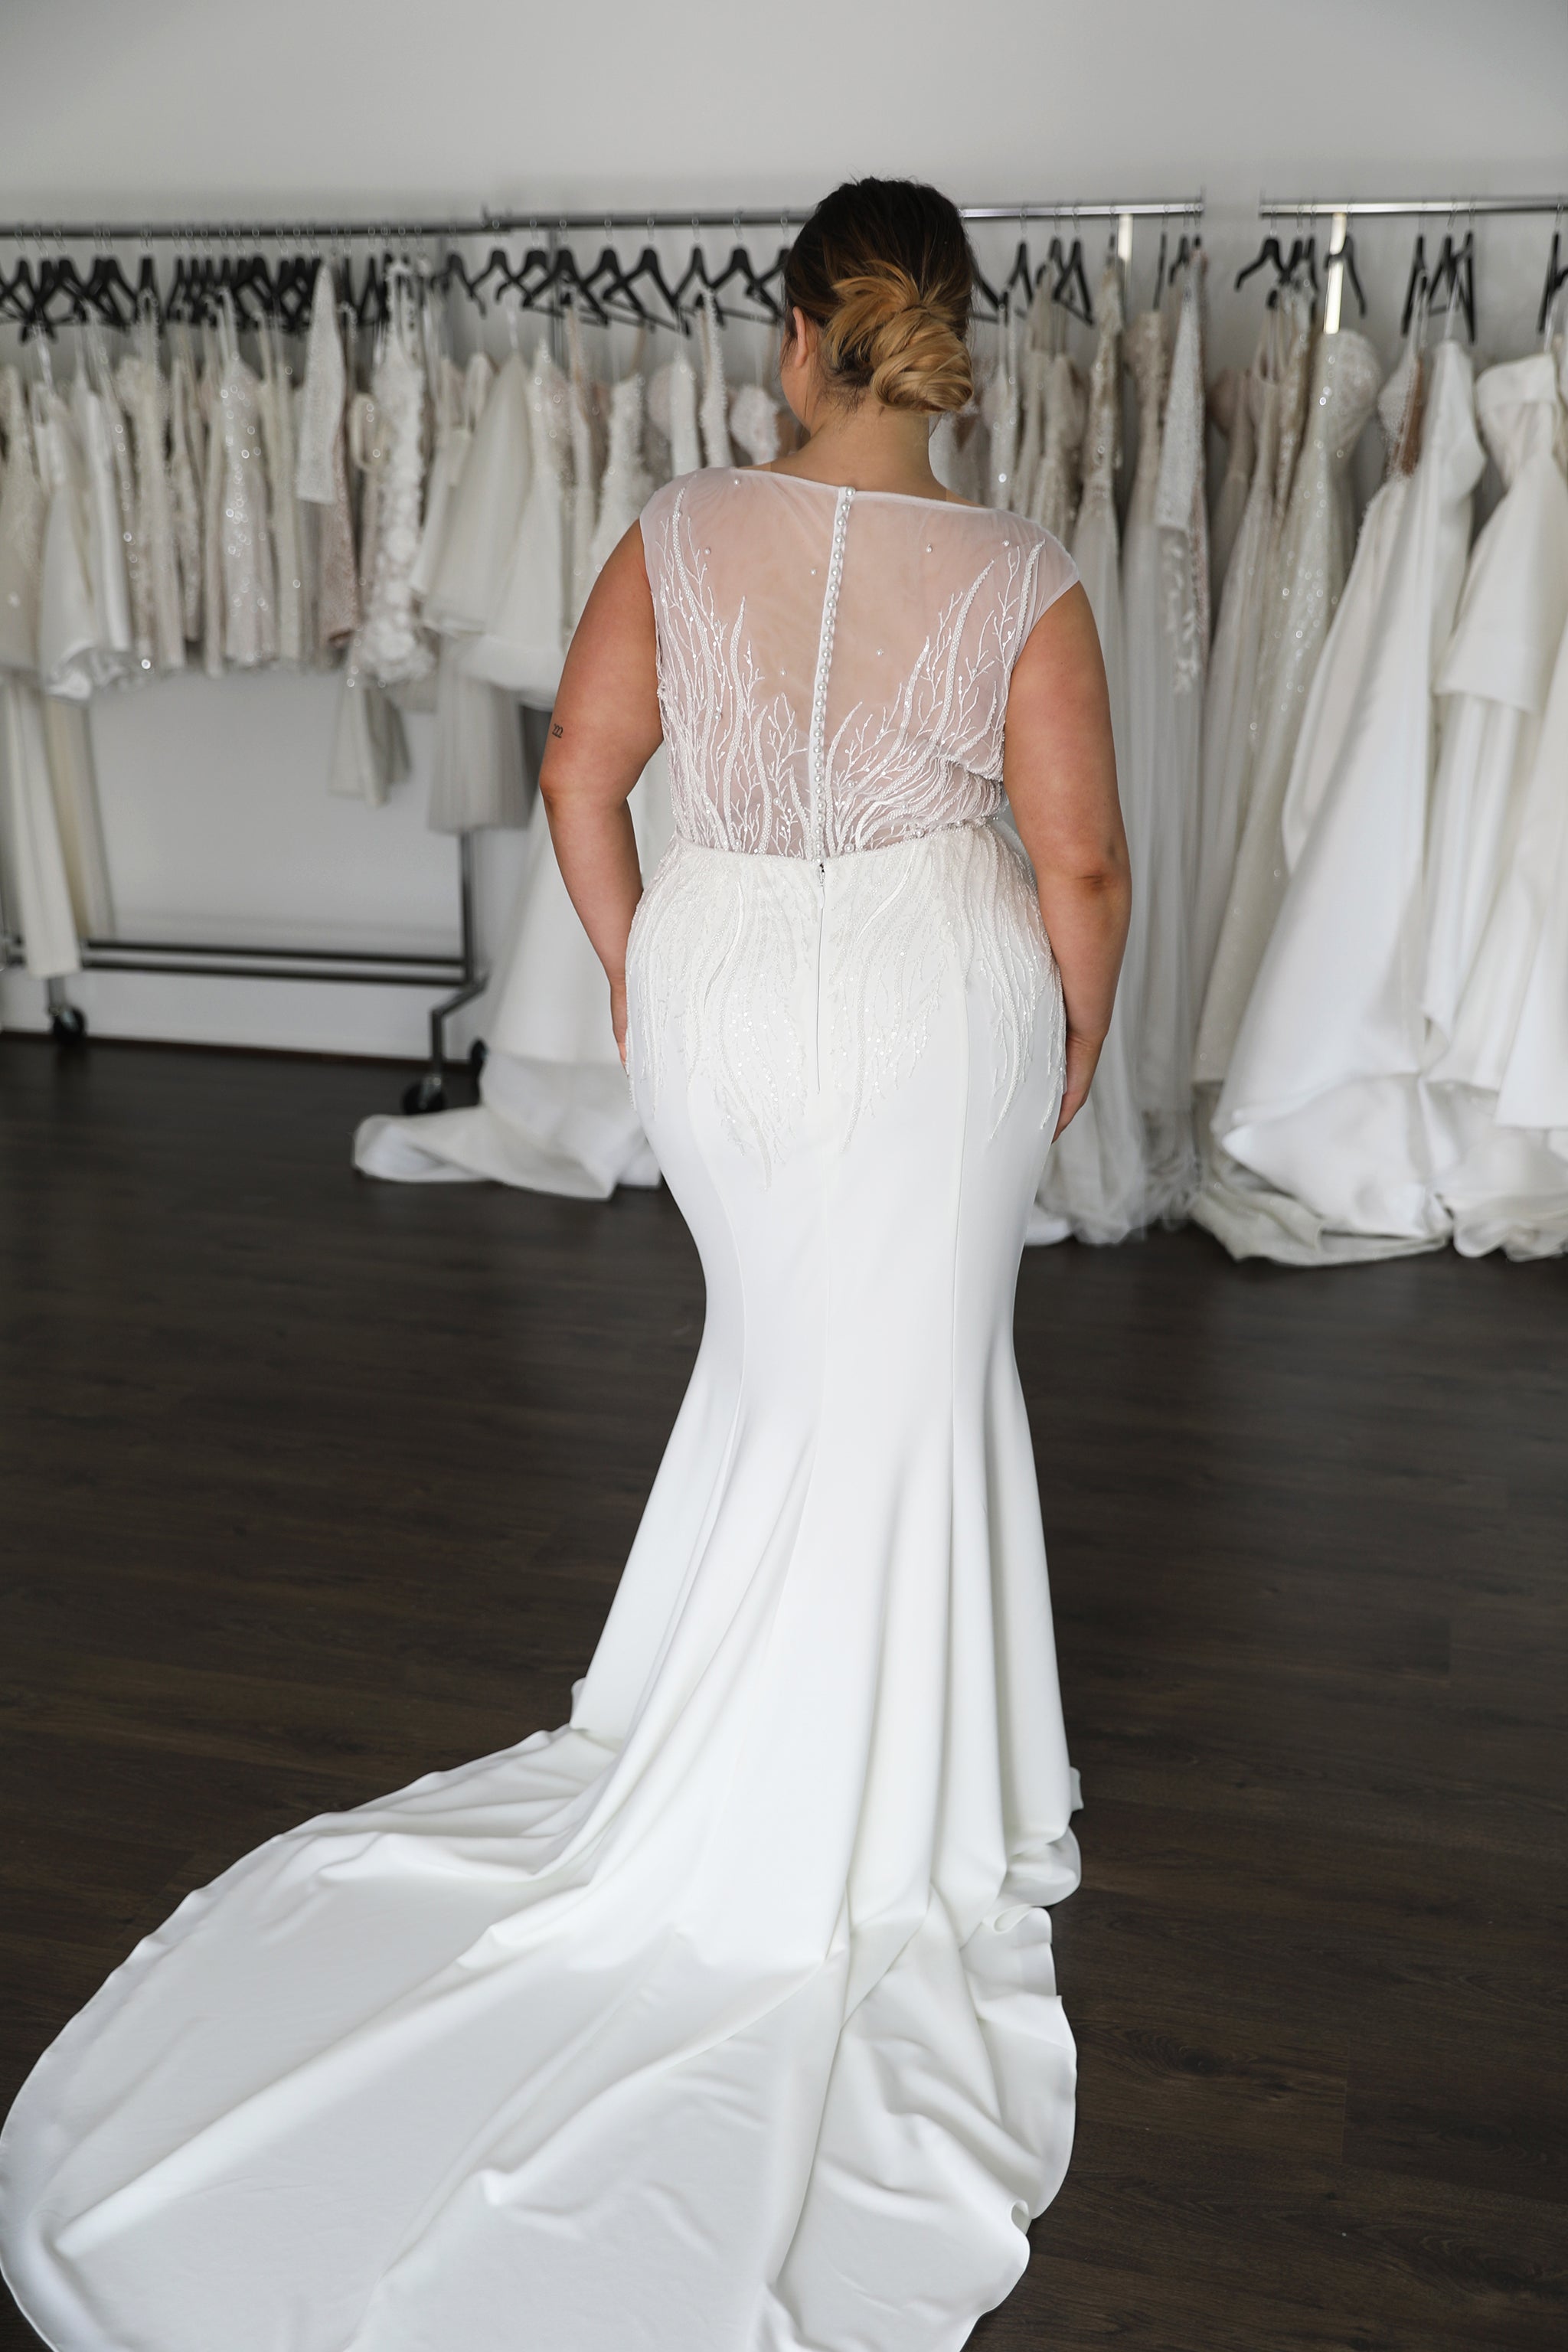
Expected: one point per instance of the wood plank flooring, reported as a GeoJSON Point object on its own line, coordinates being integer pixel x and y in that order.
{"type": "Point", "coordinates": [308, 1484]}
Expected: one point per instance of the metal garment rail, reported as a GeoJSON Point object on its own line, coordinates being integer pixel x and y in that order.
{"type": "Point", "coordinates": [1340, 211]}
{"type": "Point", "coordinates": [394, 226]}
{"type": "Point", "coordinates": [385, 969]}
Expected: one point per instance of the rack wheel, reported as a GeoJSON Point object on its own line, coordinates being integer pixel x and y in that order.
{"type": "Point", "coordinates": [68, 1023]}
{"type": "Point", "coordinates": [477, 1054]}
{"type": "Point", "coordinates": [425, 1094]}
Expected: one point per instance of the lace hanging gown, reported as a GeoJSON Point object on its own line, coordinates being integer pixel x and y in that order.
{"type": "Point", "coordinates": [724, 2016]}
{"type": "Point", "coordinates": [1094, 1186]}
{"type": "Point", "coordinates": [1323, 1095]}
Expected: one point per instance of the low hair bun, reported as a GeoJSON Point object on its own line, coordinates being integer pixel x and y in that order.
{"type": "Point", "coordinates": [884, 269]}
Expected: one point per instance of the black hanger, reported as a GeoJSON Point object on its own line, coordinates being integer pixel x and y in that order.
{"type": "Point", "coordinates": [1268, 252]}
{"type": "Point", "coordinates": [740, 264]}
{"type": "Point", "coordinates": [1345, 255]}
{"type": "Point", "coordinates": [1414, 283]}
{"type": "Point", "coordinates": [1071, 289]}
{"type": "Point", "coordinates": [649, 269]}
{"type": "Point", "coordinates": [1555, 279]}
{"type": "Point", "coordinates": [1455, 270]}
{"type": "Point", "coordinates": [1020, 275]}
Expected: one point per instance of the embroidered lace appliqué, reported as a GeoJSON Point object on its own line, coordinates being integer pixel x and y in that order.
{"type": "Point", "coordinates": [928, 757]}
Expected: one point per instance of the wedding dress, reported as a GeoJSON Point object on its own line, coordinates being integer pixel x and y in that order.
{"type": "Point", "coordinates": [1160, 785]}
{"type": "Point", "coordinates": [1323, 1095]}
{"type": "Point", "coordinates": [524, 641]}
{"type": "Point", "coordinates": [390, 647]}
{"type": "Point", "coordinates": [1494, 854]}
{"type": "Point", "coordinates": [249, 608]}
{"type": "Point", "coordinates": [37, 876]}
{"type": "Point", "coordinates": [1094, 1185]}
{"type": "Point", "coordinates": [144, 397]}
{"type": "Point", "coordinates": [723, 2017]}
{"type": "Point", "coordinates": [22, 503]}
{"type": "Point", "coordinates": [554, 1113]}
{"type": "Point", "coordinates": [72, 657]}
{"type": "Point", "coordinates": [1053, 503]}
{"type": "Point", "coordinates": [1311, 560]}
{"type": "Point", "coordinates": [713, 409]}
{"type": "Point", "coordinates": [320, 469]}
{"type": "Point", "coordinates": [107, 578]}
{"type": "Point", "coordinates": [275, 404]}
{"type": "Point", "coordinates": [673, 412]}
{"type": "Point", "coordinates": [186, 450]}
{"type": "Point", "coordinates": [1232, 414]}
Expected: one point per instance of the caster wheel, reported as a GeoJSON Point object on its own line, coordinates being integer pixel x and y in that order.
{"type": "Point", "coordinates": [427, 1094]}
{"type": "Point", "coordinates": [478, 1053]}
{"type": "Point", "coordinates": [68, 1024]}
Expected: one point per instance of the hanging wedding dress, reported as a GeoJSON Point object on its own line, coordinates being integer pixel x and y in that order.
{"type": "Point", "coordinates": [107, 583]}
{"type": "Point", "coordinates": [999, 407]}
{"type": "Point", "coordinates": [1056, 481]}
{"type": "Point", "coordinates": [186, 455]}
{"type": "Point", "coordinates": [1164, 702]}
{"type": "Point", "coordinates": [1309, 576]}
{"type": "Point", "coordinates": [390, 647]}
{"type": "Point", "coordinates": [321, 470]}
{"type": "Point", "coordinates": [713, 412]}
{"type": "Point", "coordinates": [673, 412]}
{"type": "Point", "coordinates": [275, 401]}
{"type": "Point", "coordinates": [1233, 413]}
{"type": "Point", "coordinates": [524, 640]}
{"type": "Point", "coordinates": [72, 658]}
{"type": "Point", "coordinates": [1323, 1096]}
{"type": "Point", "coordinates": [1231, 689]}
{"type": "Point", "coordinates": [554, 1113]}
{"type": "Point", "coordinates": [144, 397]}
{"type": "Point", "coordinates": [1494, 835]}
{"type": "Point", "coordinates": [1094, 1185]}
{"type": "Point", "coordinates": [724, 2016]}
{"type": "Point", "coordinates": [37, 890]}
{"type": "Point", "coordinates": [249, 606]}
{"type": "Point", "coordinates": [21, 530]}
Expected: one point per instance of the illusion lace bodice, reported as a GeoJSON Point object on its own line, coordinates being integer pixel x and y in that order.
{"type": "Point", "coordinates": [834, 664]}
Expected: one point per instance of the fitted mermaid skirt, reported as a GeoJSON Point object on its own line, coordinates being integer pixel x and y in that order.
{"type": "Point", "coordinates": [722, 2020]}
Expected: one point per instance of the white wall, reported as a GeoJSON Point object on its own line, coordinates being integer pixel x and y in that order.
{"type": "Point", "coordinates": [214, 794]}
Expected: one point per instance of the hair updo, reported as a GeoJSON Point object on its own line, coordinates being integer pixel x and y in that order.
{"type": "Point", "coordinates": [884, 269]}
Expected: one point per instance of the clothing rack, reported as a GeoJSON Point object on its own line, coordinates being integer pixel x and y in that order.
{"type": "Point", "coordinates": [460, 971]}
{"type": "Point", "coordinates": [393, 226]}
{"type": "Point", "coordinates": [1340, 211]}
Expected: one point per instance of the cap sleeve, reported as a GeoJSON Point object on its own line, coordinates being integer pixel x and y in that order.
{"type": "Point", "coordinates": [1054, 573]}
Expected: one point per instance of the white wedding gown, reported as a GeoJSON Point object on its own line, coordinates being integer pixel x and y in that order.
{"type": "Point", "coordinates": [1323, 1096]}
{"type": "Point", "coordinates": [1496, 1103]}
{"type": "Point", "coordinates": [1094, 1184]}
{"type": "Point", "coordinates": [723, 2019]}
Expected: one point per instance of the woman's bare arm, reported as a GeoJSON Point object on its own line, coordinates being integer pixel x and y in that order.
{"type": "Point", "coordinates": [1059, 768]}
{"type": "Point", "coordinates": [604, 730]}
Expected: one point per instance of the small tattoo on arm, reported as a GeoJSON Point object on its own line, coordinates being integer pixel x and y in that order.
{"type": "Point", "coordinates": [558, 730]}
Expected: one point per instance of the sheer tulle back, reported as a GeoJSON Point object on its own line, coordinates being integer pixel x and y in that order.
{"type": "Point", "coordinates": [834, 664]}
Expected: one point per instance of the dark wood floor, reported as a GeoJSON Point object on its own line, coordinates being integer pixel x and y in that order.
{"type": "Point", "coordinates": [311, 1485]}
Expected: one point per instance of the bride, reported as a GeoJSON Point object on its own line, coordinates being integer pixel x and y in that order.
{"type": "Point", "coordinates": [722, 2020]}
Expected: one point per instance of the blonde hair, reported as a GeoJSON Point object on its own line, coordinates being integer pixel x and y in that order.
{"type": "Point", "coordinates": [884, 269]}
